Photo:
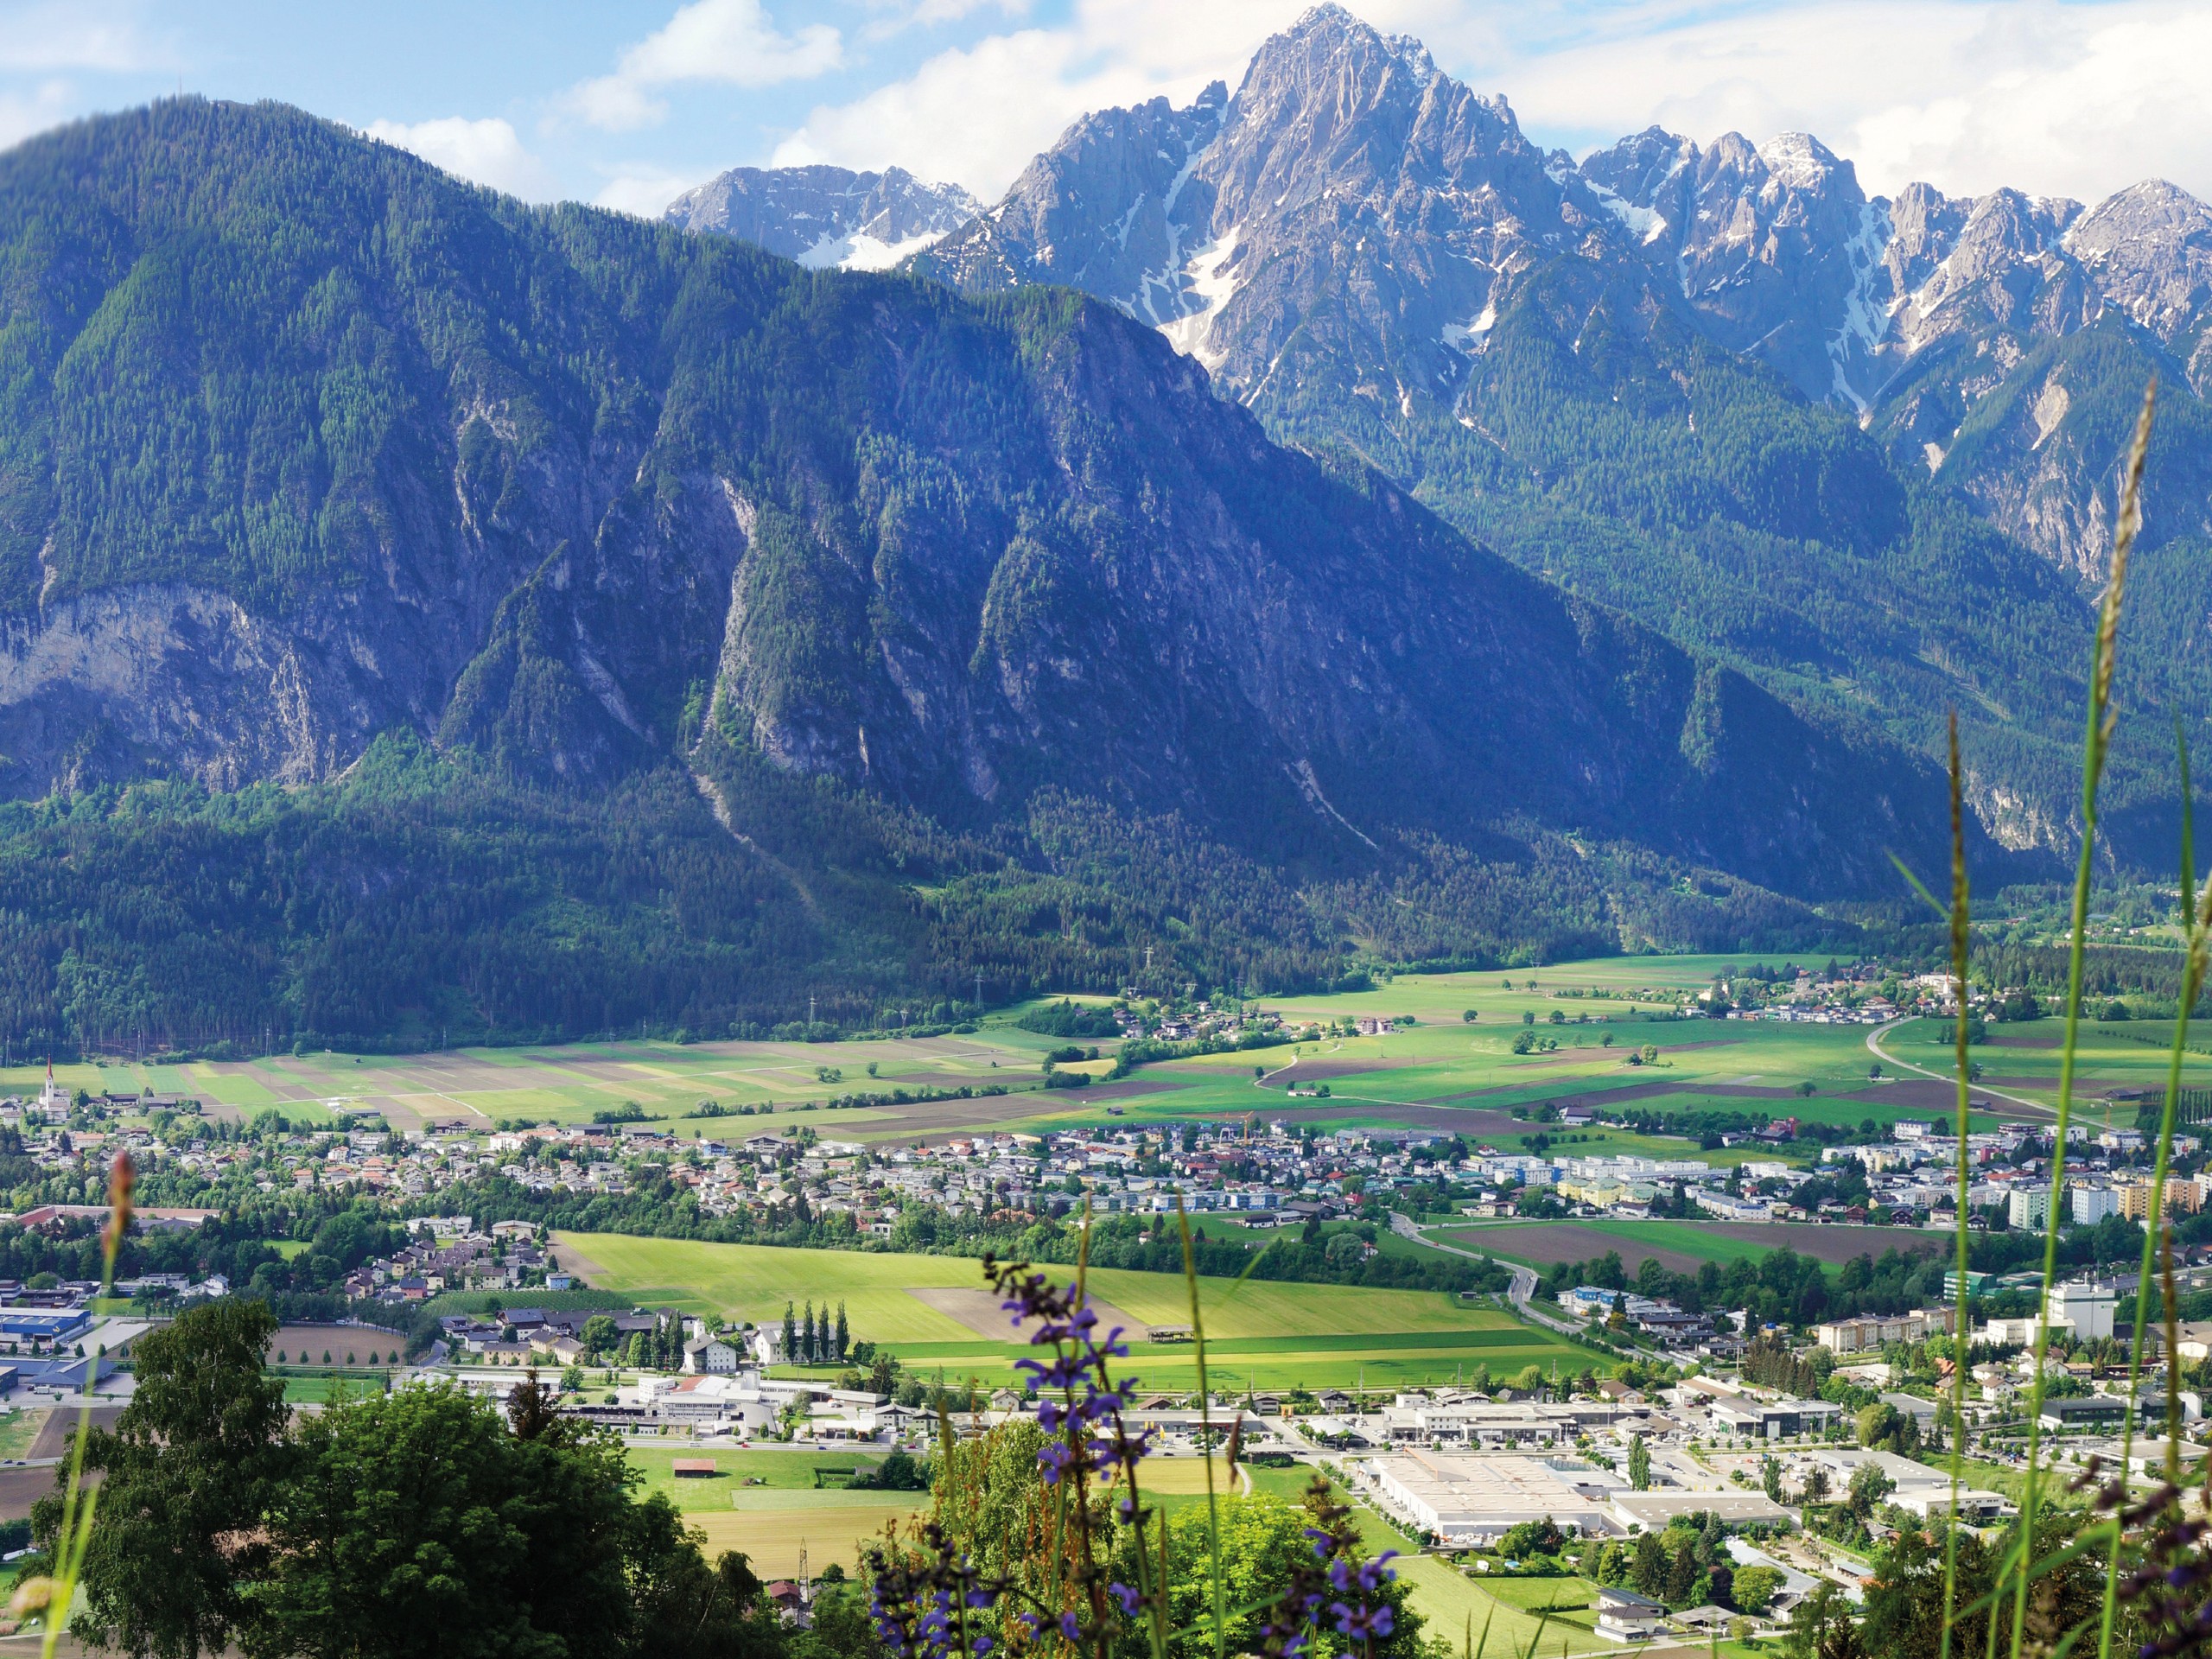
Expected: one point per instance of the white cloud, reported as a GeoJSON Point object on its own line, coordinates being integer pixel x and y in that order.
{"type": "Point", "coordinates": [487, 152]}
{"type": "Point", "coordinates": [23, 114]}
{"type": "Point", "coordinates": [896, 15]}
{"type": "Point", "coordinates": [974, 116]}
{"type": "Point", "coordinates": [971, 117]}
{"type": "Point", "coordinates": [104, 38]}
{"type": "Point", "coordinates": [2078, 100]}
{"type": "Point", "coordinates": [730, 41]}
{"type": "Point", "coordinates": [645, 192]}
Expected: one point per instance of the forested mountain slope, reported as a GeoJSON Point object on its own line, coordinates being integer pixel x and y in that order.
{"type": "Point", "coordinates": [833, 630]}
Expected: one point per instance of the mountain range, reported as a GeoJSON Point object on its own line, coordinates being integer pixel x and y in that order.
{"type": "Point", "coordinates": [1308, 532]}
{"type": "Point", "coordinates": [1863, 450]}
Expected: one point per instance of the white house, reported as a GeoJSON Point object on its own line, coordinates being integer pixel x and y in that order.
{"type": "Point", "coordinates": [1623, 1616]}
{"type": "Point", "coordinates": [710, 1354]}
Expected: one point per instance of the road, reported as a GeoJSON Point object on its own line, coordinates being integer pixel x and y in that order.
{"type": "Point", "coordinates": [1874, 1047]}
{"type": "Point", "coordinates": [1520, 1292]}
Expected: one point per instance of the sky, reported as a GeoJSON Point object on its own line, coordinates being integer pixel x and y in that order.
{"type": "Point", "coordinates": [628, 103]}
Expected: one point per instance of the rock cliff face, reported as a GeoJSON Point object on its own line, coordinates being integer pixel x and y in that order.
{"type": "Point", "coordinates": [326, 445]}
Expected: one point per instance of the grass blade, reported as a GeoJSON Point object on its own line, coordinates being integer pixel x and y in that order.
{"type": "Point", "coordinates": [2096, 746]}
{"type": "Point", "coordinates": [2196, 930]}
{"type": "Point", "coordinates": [1962, 938]}
{"type": "Point", "coordinates": [1205, 1429]}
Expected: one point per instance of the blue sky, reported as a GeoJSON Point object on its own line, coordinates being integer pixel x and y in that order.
{"type": "Point", "coordinates": [628, 103]}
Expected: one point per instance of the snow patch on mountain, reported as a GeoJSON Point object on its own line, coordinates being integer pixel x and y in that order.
{"type": "Point", "coordinates": [858, 250]}
{"type": "Point", "coordinates": [1864, 319]}
{"type": "Point", "coordinates": [1173, 275]}
{"type": "Point", "coordinates": [1210, 278]}
{"type": "Point", "coordinates": [1469, 336]}
{"type": "Point", "coordinates": [1644, 223]}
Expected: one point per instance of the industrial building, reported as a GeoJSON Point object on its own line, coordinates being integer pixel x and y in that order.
{"type": "Point", "coordinates": [1653, 1510]}
{"type": "Point", "coordinates": [2087, 1307]}
{"type": "Point", "coordinates": [1471, 1500]}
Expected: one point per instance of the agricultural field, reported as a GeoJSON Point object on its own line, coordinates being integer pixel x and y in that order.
{"type": "Point", "coordinates": [2023, 1059]}
{"type": "Point", "coordinates": [934, 1312]}
{"type": "Point", "coordinates": [1684, 1246]}
{"type": "Point", "coordinates": [1442, 1073]}
{"type": "Point", "coordinates": [479, 1089]}
{"type": "Point", "coordinates": [19, 1429]}
{"type": "Point", "coordinates": [1497, 1617]}
{"type": "Point", "coordinates": [774, 1528]}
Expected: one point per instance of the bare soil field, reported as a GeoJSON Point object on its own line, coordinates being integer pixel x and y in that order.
{"type": "Point", "coordinates": [1546, 1242]}
{"type": "Point", "coordinates": [347, 1345]}
{"type": "Point", "coordinates": [1311, 1070]}
{"type": "Point", "coordinates": [53, 1434]}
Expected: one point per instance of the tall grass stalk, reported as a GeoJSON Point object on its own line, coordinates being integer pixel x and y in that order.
{"type": "Point", "coordinates": [51, 1594]}
{"type": "Point", "coordinates": [1205, 1429]}
{"type": "Point", "coordinates": [1961, 939]}
{"type": "Point", "coordinates": [2197, 923]}
{"type": "Point", "coordinates": [2096, 747]}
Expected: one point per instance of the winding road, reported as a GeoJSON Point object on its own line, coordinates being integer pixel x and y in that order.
{"type": "Point", "coordinates": [1520, 1293]}
{"type": "Point", "coordinates": [1874, 1047]}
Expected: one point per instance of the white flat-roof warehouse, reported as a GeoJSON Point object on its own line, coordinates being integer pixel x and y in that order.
{"type": "Point", "coordinates": [1653, 1510]}
{"type": "Point", "coordinates": [1464, 1499]}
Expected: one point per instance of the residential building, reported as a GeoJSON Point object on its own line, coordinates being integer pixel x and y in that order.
{"type": "Point", "coordinates": [710, 1354]}
{"type": "Point", "coordinates": [1625, 1616]}
{"type": "Point", "coordinates": [2184, 1197]}
{"type": "Point", "coordinates": [2093, 1204]}
{"type": "Point", "coordinates": [1871, 1331]}
{"type": "Point", "coordinates": [2029, 1207]}
{"type": "Point", "coordinates": [1730, 1208]}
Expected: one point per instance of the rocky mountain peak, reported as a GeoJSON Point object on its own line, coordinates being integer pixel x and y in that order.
{"type": "Point", "coordinates": [2004, 269]}
{"type": "Point", "coordinates": [1346, 165]}
{"type": "Point", "coordinates": [1774, 246]}
{"type": "Point", "coordinates": [2150, 251]}
{"type": "Point", "coordinates": [1799, 162]}
{"type": "Point", "coordinates": [1346, 232]}
{"type": "Point", "coordinates": [825, 216]}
